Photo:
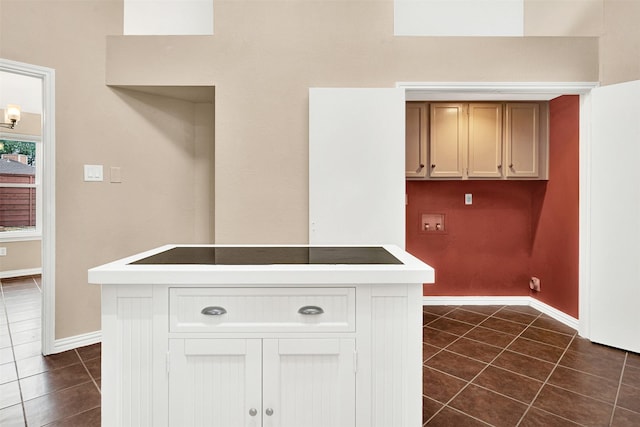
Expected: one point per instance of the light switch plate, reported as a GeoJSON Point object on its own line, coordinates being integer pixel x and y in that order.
{"type": "Point", "coordinates": [468, 199]}
{"type": "Point", "coordinates": [116, 174]}
{"type": "Point", "coordinates": [93, 173]}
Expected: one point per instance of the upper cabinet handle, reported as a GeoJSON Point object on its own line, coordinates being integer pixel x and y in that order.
{"type": "Point", "coordinates": [433, 165]}
{"type": "Point", "coordinates": [310, 310]}
{"type": "Point", "coordinates": [213, 311]}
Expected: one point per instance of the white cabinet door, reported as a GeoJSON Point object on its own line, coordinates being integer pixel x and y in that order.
{"type": "Point", "coordinates": [309, 382]}
{"type": "Point", "coordinates": [613, 220]}
{"type": "Point", "coordinates": [448, 140]}
{"type": "Point", "coordinates": [485, 140]}
{"type": "Point", "coordinates": [356, 166]}
{"type": "Point", "coordinates": [215, 382]}
{"type": "Point", "coordinates": [521, 140]}
{"type": "Point", "coordinates": [416, 140]}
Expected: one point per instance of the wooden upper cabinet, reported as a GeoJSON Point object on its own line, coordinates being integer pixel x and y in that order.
{"type": "Point", "coordinates": [448, 137]}
{"type": "Point", "coordinates": [522, 140]}
{"type": "Point", "coordinates": [485, 141]}
{"type": "Point", "coordinates": [416, 140]}
{"type": "Point", "coordinates": [477, 140]}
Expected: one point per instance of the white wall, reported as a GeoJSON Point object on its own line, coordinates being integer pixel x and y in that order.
{"type": "Point", "coordinates": [168, 17]}
{"type": "Point", "coordinates": [459, 17]}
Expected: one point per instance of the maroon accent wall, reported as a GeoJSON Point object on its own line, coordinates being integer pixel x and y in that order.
{"type": "Point", "coordinates": [555, 247]}
{"type": "Point", "coordinates": [512, 231]}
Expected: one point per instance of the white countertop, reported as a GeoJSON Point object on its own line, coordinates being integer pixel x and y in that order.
{"type": "Point", "coordinates": [412, 270]}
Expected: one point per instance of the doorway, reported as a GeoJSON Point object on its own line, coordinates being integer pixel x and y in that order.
{"type": "Point", "coordinates": [47, 121]}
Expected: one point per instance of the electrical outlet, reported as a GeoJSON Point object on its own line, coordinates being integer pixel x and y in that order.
{"type": "Point", "coordinates": [3, 251]}
{"type": "Point", "coordinates": [468, 199]}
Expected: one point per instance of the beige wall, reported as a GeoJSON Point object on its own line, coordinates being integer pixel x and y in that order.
{"type": "Point", "coordinates": [563, 17]}
{"type": "Point", "coordinates": [23, 255]}
{"type": "Point", "coordinates": [262, 60]}
{"type": "Point", "coordinates": [264, 57]}
{"type": "Point", "coordinates": [620, 43]}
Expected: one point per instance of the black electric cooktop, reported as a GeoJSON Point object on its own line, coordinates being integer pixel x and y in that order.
{"type": "Point", "coordinates": [227, 255]}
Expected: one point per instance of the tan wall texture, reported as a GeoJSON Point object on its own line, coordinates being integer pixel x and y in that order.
{"type": "Point", "coordinates": [23, 255]}
{"type": "Point", "coordinates": [262, 59]}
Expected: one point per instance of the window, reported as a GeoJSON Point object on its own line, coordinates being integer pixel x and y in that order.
{"type": "Point", "coordinates": [20, 187]}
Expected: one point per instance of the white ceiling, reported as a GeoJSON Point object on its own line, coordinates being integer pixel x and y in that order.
{"type": "Point", "coordinates": [24, 91]}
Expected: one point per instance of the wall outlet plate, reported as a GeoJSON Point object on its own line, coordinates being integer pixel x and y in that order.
{"type": "Point", "coordinates": [468, 199]}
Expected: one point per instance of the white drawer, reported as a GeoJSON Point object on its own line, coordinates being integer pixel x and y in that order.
{"type": "Point", "coordinates": [262, 309]}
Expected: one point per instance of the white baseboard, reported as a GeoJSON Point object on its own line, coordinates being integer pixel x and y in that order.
{"type": "Point", "coordinates": [561, 317]}
{"type": "Point", "coordinates": [558, 315]}
{"type": "Point", "coordinates": [77, 341]}
{"type": "Point", "coordinates": [20, 273]}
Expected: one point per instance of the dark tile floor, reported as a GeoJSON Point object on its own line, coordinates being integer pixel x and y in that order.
{"type": "Point", "coordinates": [58, 390]}
{"type": "Point", "coordinates": [483, 365]}
{"type": "Point", "coordinates": [513, 366]}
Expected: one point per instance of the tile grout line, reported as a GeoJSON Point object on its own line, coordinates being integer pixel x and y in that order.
{"type": "Point", "coordinates": [546, 380]}
{"type": "Point", "coordinates": [497, 347]}
{"type": "Point", "coordinates": [13, 354]}
{"type": "Point", "coordinates": [483, 369]}
{"type": "Point", "coordinates": [615, 402]}
{"type": "Point", "coordinates": [93, 380]}
{"type": "Point", "coordinates": [36, 283]}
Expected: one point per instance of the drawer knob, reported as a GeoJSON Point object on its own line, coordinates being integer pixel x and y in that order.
{"type": "Point", "coordinates": [310, 310]}
{"type": "Point", "coordinates": [214, 311]}
{"type": "Point", "coordinates": [269, 411]}
{"type": "Point", "coordinates": [253, 412]}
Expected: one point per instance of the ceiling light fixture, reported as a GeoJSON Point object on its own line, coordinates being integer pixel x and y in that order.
{"type": "Point", "coordinates": [11, 116]}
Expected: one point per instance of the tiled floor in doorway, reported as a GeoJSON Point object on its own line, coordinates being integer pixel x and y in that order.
{"type": "Point", "coordinates": [57, 390]}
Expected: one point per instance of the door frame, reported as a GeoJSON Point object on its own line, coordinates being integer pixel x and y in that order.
{"type": "Point", "coordinates": [48, 238]}
{"type": "Point", "coordinates": [542, 91]}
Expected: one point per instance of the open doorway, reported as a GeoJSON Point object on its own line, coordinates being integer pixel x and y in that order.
{"type": "Point", "coordinates": [35, 128]}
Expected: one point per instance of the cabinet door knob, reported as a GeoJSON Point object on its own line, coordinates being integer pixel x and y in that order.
{"type": "Point", "coordinates": [511, 165]}
{"type": "Point", "coordinates": [433, 165]}
{"type": "Point", "coordinates": [421, 166]}
{"type": "Point", "coordinates": [269, 412]}
{"type": "Point", "coordinates": [253, 412]}
{"type": "Point", "coordinates": [213, 311]}
{"type": "Point", "coordinates": [499, 166]}
{"type": "Point", "coordinates": [310, 310]}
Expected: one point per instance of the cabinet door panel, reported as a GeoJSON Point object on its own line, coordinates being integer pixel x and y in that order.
{"type": "Point", "coordinates": [521, 138]}
{"type": "Point", "coordinates": [447, 138]}
{"type": "Point", "coordinates": [485, 140]}
{"type": "Point", "coordinates": [416, 140]}
{"type": "Point", "coordinates": [309, 383]}
{"type": "Point", "coordinates": [215, 382]}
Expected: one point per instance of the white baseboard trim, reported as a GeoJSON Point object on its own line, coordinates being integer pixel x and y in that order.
{"type": "Point", "coordinates": [561, 317]}
{"type": "Point", "coordinates": [76, 341]}
{"type": "Point", "coordinates": [20, 273]}
{"type": "Point", "coordinates": [558, 315]}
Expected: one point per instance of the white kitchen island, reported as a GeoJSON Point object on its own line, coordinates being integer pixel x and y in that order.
{"type": "Point", "coordinates": [228, 336]}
